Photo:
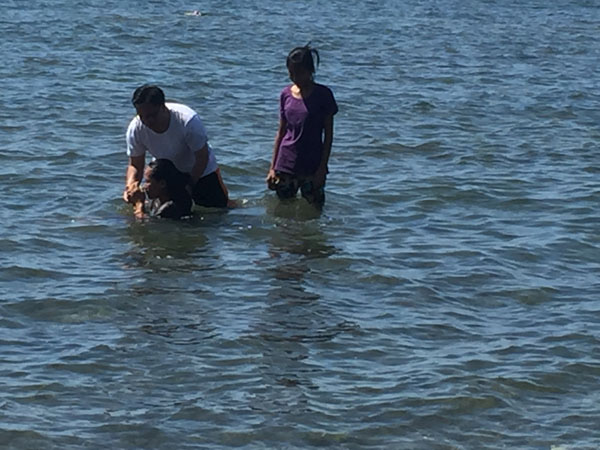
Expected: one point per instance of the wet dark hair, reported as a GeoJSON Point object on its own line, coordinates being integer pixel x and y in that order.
{"type": "Point", "coordinates": [303, 57]}
{"type": "Point", "coordinates": [175, 180]}
{"type": "Point", "coordinates": [148, 93]}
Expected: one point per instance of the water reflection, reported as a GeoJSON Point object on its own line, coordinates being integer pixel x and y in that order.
{"type": "Point", "coordinates": [295, 318]}
{"type": "Point", "coordinates": [293, 209]}
{"type": "Point", "coordinates": [164, 258]}
{"type": "Point", "coordinates": [159, 245]}
{"type": "Point", "coordinates": [295, 249]}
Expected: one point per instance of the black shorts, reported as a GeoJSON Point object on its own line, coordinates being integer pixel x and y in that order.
{"type": "Point", "coordinates": [210, 191]}
{"type": "Point", "coordinates": [287, 187]}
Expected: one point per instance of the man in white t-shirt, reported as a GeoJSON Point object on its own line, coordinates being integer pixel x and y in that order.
{"type": "Point", "coordinates": [175, 132]}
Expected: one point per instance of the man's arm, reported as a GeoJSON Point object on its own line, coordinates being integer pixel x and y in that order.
{"type": "Point", "coordinates": [200, 165]}
{"type": "Point", "coordinates": [133, 177]}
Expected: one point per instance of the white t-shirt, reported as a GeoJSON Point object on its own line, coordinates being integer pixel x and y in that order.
{"type": "Point", "coordinates": [179, 143]}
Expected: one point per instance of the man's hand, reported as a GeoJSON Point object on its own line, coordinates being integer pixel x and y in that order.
{"type": "Point", "coordinates": [133, 177]}
{"type": "Point", "coordinates": [133, 194]}
{"type": "Point", "coordinates": [138, 210]}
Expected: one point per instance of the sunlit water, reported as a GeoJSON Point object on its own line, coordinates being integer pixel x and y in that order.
{"type": "Point", "coordinates": [446, 297]}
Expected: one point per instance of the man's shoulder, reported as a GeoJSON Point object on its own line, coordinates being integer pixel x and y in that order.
{"type": "Point", "coordinates": [181, 111]}
{"type": "Point", "coordinates": [134, 126]}
{"type": "Point", "coordinates": [135, 122]}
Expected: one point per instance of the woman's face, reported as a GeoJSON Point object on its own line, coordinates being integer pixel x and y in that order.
{"type": "Point", "coordinates": [299, 75]}
{"type": "Point", "coordinates": [153, 187]}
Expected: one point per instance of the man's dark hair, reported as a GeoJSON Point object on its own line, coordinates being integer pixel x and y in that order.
{"type": "Point", "coordinates": [148, 93]}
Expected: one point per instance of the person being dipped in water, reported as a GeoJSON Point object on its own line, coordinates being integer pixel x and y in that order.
{"type": "Point", "coordinates": [305, 134]}
{"type": "Point", "coordinates": [163, 192]}
{"type": "Point", "coordinates": [175, 132]}
{"type": "Point", "coordinates": [166, 190]}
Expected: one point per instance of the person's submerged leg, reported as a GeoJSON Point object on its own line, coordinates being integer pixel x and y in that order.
{"type": "Point", "coordinates": [210, 191]}
{"type": "Point", "coordinates": [313, 196]}
{"type": "Point", "coordinates": [286, 187]}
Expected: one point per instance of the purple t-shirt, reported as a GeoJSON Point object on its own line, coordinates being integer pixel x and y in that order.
{"type": "Point", "coordinates": [302, 144]}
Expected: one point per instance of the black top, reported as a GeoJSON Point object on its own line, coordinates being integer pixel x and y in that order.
{"type": "Point", "coordinates": [171, 209]}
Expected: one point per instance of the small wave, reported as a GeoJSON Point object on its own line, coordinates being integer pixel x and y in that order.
{"type": "Point", "coordinates": [30, 273]}
{"type": "Point", "coordinates": [63, 311]}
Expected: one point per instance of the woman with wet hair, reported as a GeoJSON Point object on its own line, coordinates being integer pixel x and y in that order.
{"type": "Point", "coordinates": [166, 189]}
{"type": "Point", "coordinates": [305, 134]}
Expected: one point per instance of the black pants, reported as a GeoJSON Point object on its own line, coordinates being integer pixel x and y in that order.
{"type": "Point", "coordinates": [210, 191]}
{"type": "Point", "coordinates": [288, 186]}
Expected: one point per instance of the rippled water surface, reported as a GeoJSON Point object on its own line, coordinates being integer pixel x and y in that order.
{"type": "Point", "coordinates": [445, 298]}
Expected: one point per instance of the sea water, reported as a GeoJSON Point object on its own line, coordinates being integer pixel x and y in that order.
{"type": "Point", "coordinates": [447, 296]}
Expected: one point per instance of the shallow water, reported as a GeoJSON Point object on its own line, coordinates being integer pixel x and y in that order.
{"type": "Point", "coordinates": [445, 298]}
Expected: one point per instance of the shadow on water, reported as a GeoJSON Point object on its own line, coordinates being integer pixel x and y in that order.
{"type": "Point", "coordinates": [155, 240]}
{"type": "Point", "coordinates": [296, 209]}
{"type": "Point", "coordinates": [166, 255]}
{"type": "Point", "coordinates": [171, 261]}
{"type": "Point", "coordinates": [296, 321]}
{"type": "Point", "coordinates": [297, 240]}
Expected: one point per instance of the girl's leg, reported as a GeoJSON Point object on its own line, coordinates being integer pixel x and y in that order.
{"type": "Point", "coordinates": [287, 187]}
{"type": "Point", "coordinates": [313, 196]}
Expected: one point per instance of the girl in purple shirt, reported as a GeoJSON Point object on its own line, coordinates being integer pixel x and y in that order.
{"type": "Point", "coordinates": [305, 134]}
